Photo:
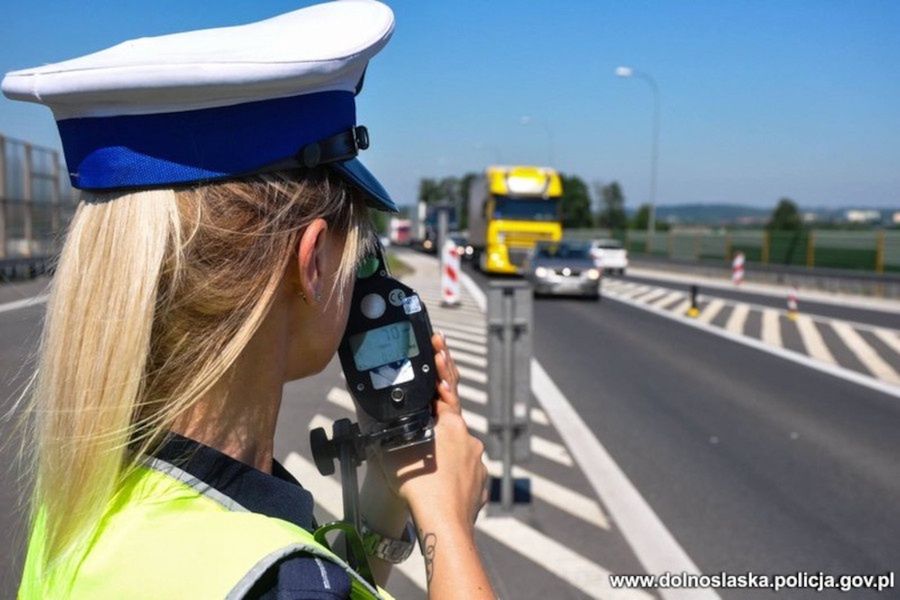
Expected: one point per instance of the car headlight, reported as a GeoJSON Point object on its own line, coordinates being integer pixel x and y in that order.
{"type": "Point", "coordinates": [593, 274]}
{"type": "Point", "coordinates": [469, 250]}
{"type": "Point", "coordinates": [541, 272]}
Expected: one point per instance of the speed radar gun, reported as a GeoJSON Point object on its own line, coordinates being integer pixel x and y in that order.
{"type": "Point", "coordinates": [388, 362]}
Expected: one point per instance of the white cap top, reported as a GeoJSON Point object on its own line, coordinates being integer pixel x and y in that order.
{"type": "Point", "coordinates": [318, 48]}
{"type": "Point", "coordinates": [220, 103]}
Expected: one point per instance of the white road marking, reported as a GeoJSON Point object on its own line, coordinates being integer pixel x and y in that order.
{"type": "Point", "coordinates": [467, 346]}
{"type": "Point", "coordinates": [539, 416]}
{"type": "Point", "coordinates": [681, 308]}
{"type": "Point", "coordinates": [737, 319]}
{"type": "Point", "coordinates": [889, 337]}
{"type": "Point", "coordinates": [865, 353]}
{"type": "Point", "coordinates": [471, 374]}
{"type": "Point", "coordinates": [469, 359]}
{"type": "Point", "coordinates": [476, 338]}
{"type": "Point", "coordinates": [771, 328]}
{"type": "Point", "coordinates": [539, 445]}
{"type": "Point", "coordinates": [588, 577]}
{"type": "Point", "coordinates": [797, 357]}
{"type": "Point", "coordinates": [651, 541]}
{"type": "Point", "coordinates": [653, 544]}
{"type": "Point", "coordinates": [24, 303]}
{"type": "Point", "coordinates": [638, 292]}
{"type": "Point", "coordinates": [441, 324]}
{"type": "Point", "coordinates": [712, 309]}
{"type": "Point", "coordinates": [812, 339]}
{"type": "Point", "coordinates": [549, 554]}
{"type": "Point", "coordinates": [467, 392]}
{"type": "Point", "coordinates": [329, 497]}
{"type": "Point", "coordinates": [667, 299]}
{"type": "Point", "coordinates": [655, 295]}
{"type": "Point", "coordinates": [559, 496]}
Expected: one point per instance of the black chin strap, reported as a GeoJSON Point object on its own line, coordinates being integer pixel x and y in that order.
{"type": "Point", "coordinates": [340, 147]}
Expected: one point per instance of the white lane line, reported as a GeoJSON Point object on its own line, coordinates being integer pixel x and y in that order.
{"type": "Point", "coordinates": [469, 359]}
{"type": "Point", "coordinates": [797, 357]}
{"type": "Point", "coordinates": [737, 319]}
{"type": "Point", "coordinates": [771, 328]}
{"type": "Point", "coordinates": [539, 445]}
{"type": "Point", "coordinates": [888, 337]}
{"type": "Point", "coordinates": [328, 497]}
{"type": "Point", "coordinates": [812, 340]}
{"type": "Point", "coordinates": [653, 544]}
{"type": "Point", "coordinates": [24, 303]}
{"type": "Point", "coordinates": [651, 541]}
{"type": "Point", "coordinates": [655, 295]}
{"type": "Point", "coordinates": [712, 309]}
{"type": "Point", "coordinates": [667, 299]}
{"type": "Point", "coordinates": [865, 353]}
{"type": "Point", "coordinates": [471, 374]}
{"type": "Point", "coordinates": [455, 343]}
{"type": "Point", "coordinates": [586, 576]}
{"type": "Point", "coordinates": [467, 392]}
{"type": "Point", "coordinates": [559, 496]}
{"type": "Point", "coordinates": [681, 308]}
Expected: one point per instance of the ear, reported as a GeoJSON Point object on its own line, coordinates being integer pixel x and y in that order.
{"type": "Point", "coordinates": [311, 259]}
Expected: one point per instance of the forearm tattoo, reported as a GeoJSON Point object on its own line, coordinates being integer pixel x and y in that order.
{"type": "Point", "coordinates": [428, 541]}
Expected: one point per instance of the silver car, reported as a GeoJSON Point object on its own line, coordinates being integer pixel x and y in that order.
{"type": "Point", "coordinates": [564, 268]}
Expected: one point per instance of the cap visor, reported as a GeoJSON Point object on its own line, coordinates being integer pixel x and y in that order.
{"type": "Point", "coordinates": [357, 174]}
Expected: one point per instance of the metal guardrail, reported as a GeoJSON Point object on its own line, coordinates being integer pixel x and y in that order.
{"type": "Point", "coordinates": [12, 269]}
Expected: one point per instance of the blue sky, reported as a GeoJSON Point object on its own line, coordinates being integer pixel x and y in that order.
{"type": "Point", "coordinates": [760, 99]}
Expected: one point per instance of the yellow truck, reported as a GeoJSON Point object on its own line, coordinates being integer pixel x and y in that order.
{"type": "Point", "coordinates": [510, 209]}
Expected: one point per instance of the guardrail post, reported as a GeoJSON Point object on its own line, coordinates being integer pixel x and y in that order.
{"type": "Point", "coordinates": [3, 197]}
{"type": "Point", "coordinates": [509, 386]}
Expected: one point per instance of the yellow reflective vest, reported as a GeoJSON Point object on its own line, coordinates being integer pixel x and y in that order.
{"type": "Point", "coordinates": [168, 536]}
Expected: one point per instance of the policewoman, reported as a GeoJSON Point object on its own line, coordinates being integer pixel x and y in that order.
{"type": "Point", "coordinates": [211, 260]}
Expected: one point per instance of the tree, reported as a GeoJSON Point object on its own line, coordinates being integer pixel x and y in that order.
{"type": "Point", "coordinates": [612, 214]}
{"type": "Point", "coordinates": [429, 190]}
{"type": "Point", "coordinates": [465, 182]}
{"type": "Point", "coordinates": [642, 219]}
{"type": "Point", "coordinates": [785, 217]}
{"type": "Point", "coordinates": [575, 204]}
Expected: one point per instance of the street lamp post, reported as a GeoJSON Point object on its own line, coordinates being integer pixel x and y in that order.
{"type": "Point", "coordinates": [654, 155]}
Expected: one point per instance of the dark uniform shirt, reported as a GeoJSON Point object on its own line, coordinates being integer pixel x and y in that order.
{"type": "Point", "coordinates": [279, 495]}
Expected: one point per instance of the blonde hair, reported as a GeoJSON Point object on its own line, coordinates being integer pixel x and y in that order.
{"type": "Point", "coordinates": [155, 296]}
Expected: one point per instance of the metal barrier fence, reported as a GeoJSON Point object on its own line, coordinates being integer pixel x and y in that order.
{"type": "Point", "coordinates": [875, 251]}
{"type": "Point", "coordinates": [36, 200]}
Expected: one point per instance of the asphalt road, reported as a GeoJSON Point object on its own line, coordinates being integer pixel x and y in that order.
{"type": "Point", "coordinates": [753, 462]}
{"type": "Point", "coordinates": [834, 311]}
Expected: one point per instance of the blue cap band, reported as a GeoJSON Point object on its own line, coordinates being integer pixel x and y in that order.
{"type": "Point", "coordinates": [131, 151]}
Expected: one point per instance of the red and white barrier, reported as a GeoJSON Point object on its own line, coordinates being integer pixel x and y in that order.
{"type": "Point", "coordinates": [737, 269]}
{"type": "Point", "coordinates": [792, 303]}
{"type": "Point", "coordinates": [450, 273]}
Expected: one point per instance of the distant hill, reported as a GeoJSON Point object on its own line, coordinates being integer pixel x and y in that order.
{"type": "Point", "coordinates": [712, 214]}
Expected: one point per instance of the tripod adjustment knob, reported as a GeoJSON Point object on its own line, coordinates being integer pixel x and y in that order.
{"type": "Point", "coordinates": [322, 451]}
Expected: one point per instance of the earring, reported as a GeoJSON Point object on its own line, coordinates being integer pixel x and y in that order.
{"type": "Point", "coordinates": [302, 296]}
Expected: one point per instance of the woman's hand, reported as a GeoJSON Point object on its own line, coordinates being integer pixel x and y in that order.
{"type": "Point", "coordinates": [448, 476]}
{"type": "Point", "coordinates": [443, 482]}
